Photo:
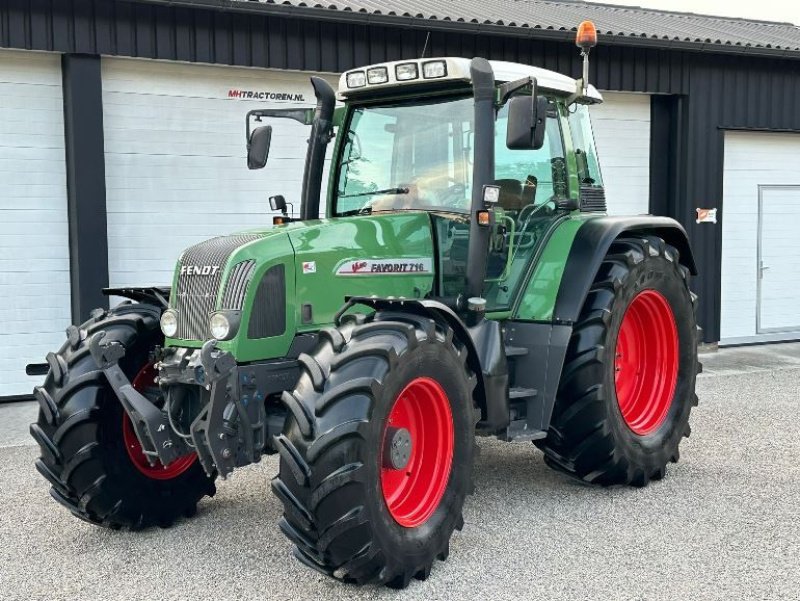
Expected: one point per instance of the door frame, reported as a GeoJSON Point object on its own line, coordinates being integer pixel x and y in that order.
{"type": "Point", "coordinates": [759, 261]}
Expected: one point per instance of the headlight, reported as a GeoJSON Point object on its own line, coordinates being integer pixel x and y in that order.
{"type": "Point", "coordinates": [356, 79]}
{"type": "Point", "coordinates": [434, 69]}
{"type": "Point", "coordinates": [377, 75]}
{"type": "Point", "coordinates": [169, 323]}
{"type": "Point", "coordinates": [406, 71]}
{"type": "Point", "coordinates": [224, 324]}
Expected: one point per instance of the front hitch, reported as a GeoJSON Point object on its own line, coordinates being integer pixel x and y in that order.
{"type": "Point", "coordinates": [230, 430]}
{"type": "Point", "coordinates": [150, 423]}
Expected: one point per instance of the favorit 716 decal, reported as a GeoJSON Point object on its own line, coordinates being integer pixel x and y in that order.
{"type": "Point", "coordinates": [355, 267]}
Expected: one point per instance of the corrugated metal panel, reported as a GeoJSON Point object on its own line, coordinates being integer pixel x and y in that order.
{"type": "Point", "coordinates": [627, 21]}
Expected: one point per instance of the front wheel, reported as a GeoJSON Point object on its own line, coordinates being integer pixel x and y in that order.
{"type": "Point", "coordinates": [90, 454]}
{"type": "Point", "coordinates": [628, 383]}
{"type": "Point", "coordinates": [377, 452]}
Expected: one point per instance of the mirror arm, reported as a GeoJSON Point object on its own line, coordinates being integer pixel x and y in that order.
{"type": "Point", "coordinates": [504, 91]}
{"type": "Point", "coordinates": [304, 116]}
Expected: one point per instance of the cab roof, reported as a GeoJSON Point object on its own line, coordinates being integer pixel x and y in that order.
{"type": "Point", "coordinates": [458, 69]}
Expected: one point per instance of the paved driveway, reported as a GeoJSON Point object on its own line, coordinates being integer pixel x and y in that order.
{"type": "Point", "coordinates": [724, 524]}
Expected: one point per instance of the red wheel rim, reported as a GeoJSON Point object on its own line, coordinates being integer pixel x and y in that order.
{"type": "Point", "coordinates": [413, 493]}
{"type": "Point", "coordinates": [144, 380]}
{"type": "Point", "coordinates": [646, 362]}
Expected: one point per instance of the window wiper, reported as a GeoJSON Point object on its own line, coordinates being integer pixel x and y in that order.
{"type": "Point", "coordinates": [376, 192]}
{"type": "Point", "coordinates": [361, 211]}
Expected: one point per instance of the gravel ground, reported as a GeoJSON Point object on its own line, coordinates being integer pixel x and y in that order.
{"type": "Point", "coordinates": [722, 525]}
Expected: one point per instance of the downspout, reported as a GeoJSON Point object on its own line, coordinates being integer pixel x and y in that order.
{"type": "Point", "coordinates": [321, 134]}
{"type": "Point", "coordinates": [482, 174]}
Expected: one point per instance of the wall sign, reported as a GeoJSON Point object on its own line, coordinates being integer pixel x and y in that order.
{"type": "Point", "coordinates": [264, 95]}
{"type": "Point", "coordinates": [706, 215]}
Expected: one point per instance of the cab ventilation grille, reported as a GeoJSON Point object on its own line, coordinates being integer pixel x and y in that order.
{"type": "Point", "coordinates": [593, 199]}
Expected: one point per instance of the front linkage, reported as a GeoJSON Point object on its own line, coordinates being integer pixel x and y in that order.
{"type": "Point", "coordinates": [231, 429]}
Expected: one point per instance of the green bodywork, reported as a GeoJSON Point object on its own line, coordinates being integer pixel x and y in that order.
{"type": "Point", "coordinates": [316, 253]}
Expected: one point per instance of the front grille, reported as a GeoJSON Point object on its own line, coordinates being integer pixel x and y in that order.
{"type": "Point", "coordinates": [195, 295]}
{"type": "Point", "coordinates": [236, 287]}
{"type": "Point", "coordinates": [593, 199]}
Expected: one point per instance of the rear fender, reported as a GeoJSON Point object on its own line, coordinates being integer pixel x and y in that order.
{"type": "Point", "coordinates": [590, 247]}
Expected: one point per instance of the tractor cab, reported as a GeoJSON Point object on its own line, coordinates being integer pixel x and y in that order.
{"type": "Point", "coordinates": [463, 140]}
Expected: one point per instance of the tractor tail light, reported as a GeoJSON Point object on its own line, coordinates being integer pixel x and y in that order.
{"type": "Point", "coordinates": [586, 37]}
{"type": "Point", "coordinates": [484, 218]}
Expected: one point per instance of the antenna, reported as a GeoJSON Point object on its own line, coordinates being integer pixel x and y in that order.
{"type": "Point", "coordinates": [425, 47]}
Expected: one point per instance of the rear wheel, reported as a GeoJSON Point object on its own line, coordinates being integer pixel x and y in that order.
{"type": "Point", "coordinates": [628, 383]}
{"type": "Point", "coordinates": [377, 452]}
{"type": "Point", "coordinates": [90, 453]}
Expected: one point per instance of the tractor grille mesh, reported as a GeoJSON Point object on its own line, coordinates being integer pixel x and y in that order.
{"type": "Point", "coordinates": [195, 295]}
{"type": "Point", "coordinates": [236, 287]}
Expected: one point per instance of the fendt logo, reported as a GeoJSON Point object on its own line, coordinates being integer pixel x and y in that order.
{"type": "Point", "coordinates": [199, 269]}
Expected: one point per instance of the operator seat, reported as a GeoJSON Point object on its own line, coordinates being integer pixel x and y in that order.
{"type": "Point", "coordinates": [510, 194]}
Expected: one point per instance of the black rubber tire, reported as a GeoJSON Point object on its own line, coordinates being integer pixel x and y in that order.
{"type": "Point", "coordinates": [588, 437]}
{"type": "Point", "coordinates": [79, 431]}
{"type": "Point", "coordinates": [330, 449]}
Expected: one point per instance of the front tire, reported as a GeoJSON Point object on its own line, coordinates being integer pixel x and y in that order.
{"type": "Point", "coordinates": [377, 452]}
{"type": "Point", "coordinates": [89, 452]}
{"type": "Point", "coordinates": [628, 382]}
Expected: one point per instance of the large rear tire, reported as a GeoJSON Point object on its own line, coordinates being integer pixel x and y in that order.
{"type": "Point", "coordinates": [377, 452]}
{"type": "Point", "coordinates": [628, 383]}
{"type": "Point", "coordinates": [89, 452]}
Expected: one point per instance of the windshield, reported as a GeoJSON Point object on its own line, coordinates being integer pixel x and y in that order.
{"type": "Point", "coordinates": [408, 155]}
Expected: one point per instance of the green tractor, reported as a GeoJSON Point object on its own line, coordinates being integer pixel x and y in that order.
{"type": "Point", "coordinates": [464, 281]}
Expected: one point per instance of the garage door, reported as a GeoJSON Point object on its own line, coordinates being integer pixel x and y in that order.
{"type": "Point", "coordinates": [175, 158]}
{"type": "Point", "coordinates": [760, 243]}
{"type": "Point", "coordinates": [34, 256]}
{"type": "Point", "coordinates": [622, 134]}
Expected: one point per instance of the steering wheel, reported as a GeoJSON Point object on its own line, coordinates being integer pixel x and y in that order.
{"type": "Point", "coordinates": [454, 195]}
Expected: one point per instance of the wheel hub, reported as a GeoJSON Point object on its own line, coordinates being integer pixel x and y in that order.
{"type": "Point", "coordinates": [646, 362]}
{"type": "Point", "coordinates": [417, 450]}
{"type": "Point", "coordinates": [396, 448]}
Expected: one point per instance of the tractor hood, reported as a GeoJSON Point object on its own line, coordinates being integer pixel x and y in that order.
{"type": "Point", "coordinates": [295, 277]}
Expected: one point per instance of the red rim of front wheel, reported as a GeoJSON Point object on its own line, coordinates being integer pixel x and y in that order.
{"type": "Point", "coordinates": [413, 492]}
{"type": "Point", "coordinates": [646, 362]}
{"type": "Point", "coordinates": [143, 380]}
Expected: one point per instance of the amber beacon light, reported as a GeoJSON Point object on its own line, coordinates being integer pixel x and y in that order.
{"type": "Point", "coordinates": [586, 38]}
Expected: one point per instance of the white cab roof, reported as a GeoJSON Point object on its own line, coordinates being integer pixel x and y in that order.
{"type": "Point", "coordinates": [458, 69]}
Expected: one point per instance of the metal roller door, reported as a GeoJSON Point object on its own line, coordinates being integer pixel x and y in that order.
{"type": "Point", "coordinates": [175, 158]}
{"type": "Point", "coordinates": [760, 245]}
{"type": "Point", "coordinates": [622, 134]}
{"type": "Point", "coordinates": [34, 247]}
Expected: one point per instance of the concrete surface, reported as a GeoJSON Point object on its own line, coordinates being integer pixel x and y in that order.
{"type": "Point", "coordinates": [724, 524]}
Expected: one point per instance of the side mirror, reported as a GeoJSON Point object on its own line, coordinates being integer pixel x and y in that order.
{"type": "Point", "coordinates": [258, 147]}
{"type": "Point", "coordinates": [277, 203]}
{"type": "Point", "coordinates": [527, 116]}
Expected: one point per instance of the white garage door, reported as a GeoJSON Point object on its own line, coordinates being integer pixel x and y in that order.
{"type": "Point", "coordinates": [760, 244]}
{"type": "Point", "coordinates": [34, 255]}
{"type": "Point", "coordinates": [622, 134]}
{"type": "Point", "coordinates": [175, 158]}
